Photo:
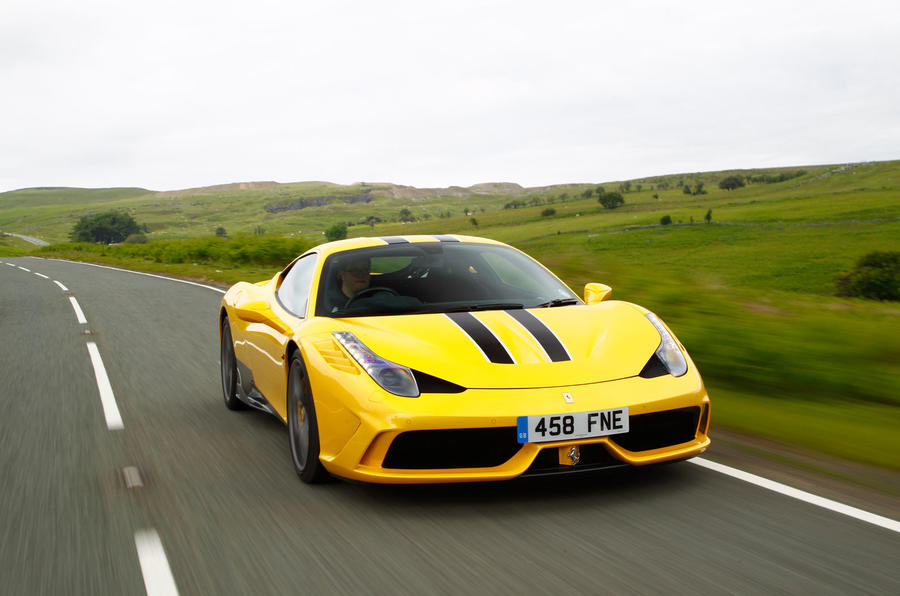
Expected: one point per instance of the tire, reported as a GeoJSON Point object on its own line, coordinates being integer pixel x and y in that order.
{"type": "Point", "coordinates": [228, 365]}
{"type": "Point", "coordinates": [303, 429]}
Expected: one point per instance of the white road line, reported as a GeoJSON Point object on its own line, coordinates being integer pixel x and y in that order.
{"type": "Point", "coordinates": [62, 287]}
{"type": "Point", "coordinates": [41, 275]}
{"type": "Point", "coordinates": [181, 281]}
{"type": "Point", "coordinates": [107, 398]}
{"type": "Point", "coordinates": [158, 580]}
{"type": "Point", "coordinates": [860, 514]}
{"type": "Point", "coordinates": [24, 269]}
{"type": "Point", "coordinates": [79, 314]}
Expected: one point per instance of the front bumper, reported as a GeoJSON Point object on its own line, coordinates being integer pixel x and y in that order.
{"type": "Point", "coordinates": [470, 437]}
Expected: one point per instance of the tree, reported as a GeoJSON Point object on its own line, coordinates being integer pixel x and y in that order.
{"type": "Point", "coordinates": [708, 216]}
{"type": "Point", "coordinates": [220, 231]}
{"type": "Point", "coordinates": [665, 220]}
{"type": "Point", "coordinates": [686, 189]}
{"type": "Point", "coordinates": [108, 227]}
{"type": "Point", "coordinates": [731, 182]}
{"type": "Point", "coordinates": [698, 189]}
{"type": "Point", "coordinates": [336, 232]}
{"type": "Point", "coordinates": [406, 215]}
{"type": "Point", "coordinates": [876, 276]}
{"type": "Point", "coordinates": [548, 212]}
{"type": "Point", "coordinates": [588, 193]}
{"type": "Point", "coordinates": [599, 190]}
{"type": "Point", "coordinates": [611, 200]}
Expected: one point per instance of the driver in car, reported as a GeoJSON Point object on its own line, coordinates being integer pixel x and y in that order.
{"type": "Point", "coordinates": [353, 276]}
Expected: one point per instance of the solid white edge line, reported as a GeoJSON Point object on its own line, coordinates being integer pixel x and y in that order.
{"type": "Point", "coordinates": [79, 314]}
{"type": "Point", "coordinates": [62, 287]}
{"type": "Point", "coordinates": [181, 281]}
{"type": "Point", "coordinates": [107, 398]}
{"type": "Point", "coordinates": [158, 580]}
{"type": "Point", "coordinates": [40, 275]}
{"type": "Point", "coordinates": [860, 514]}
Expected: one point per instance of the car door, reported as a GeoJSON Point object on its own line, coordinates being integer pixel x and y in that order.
{"type": "Point", "coordinates": [291, 300]}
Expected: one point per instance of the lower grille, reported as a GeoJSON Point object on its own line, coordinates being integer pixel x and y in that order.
{"type": "Point", "coordinates": [659, 429]}
{"type": "Point", "coordinates": [453, 448]}
{"type": "Point", "coordinates": [594, 456]}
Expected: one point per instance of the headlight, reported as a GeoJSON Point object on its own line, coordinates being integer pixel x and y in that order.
{"type": "Point", "coordinates": [392, 377]}
{"type": "Point", "coordinates": [668, 351]}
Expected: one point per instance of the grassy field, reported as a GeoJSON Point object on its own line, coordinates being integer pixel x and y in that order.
{"type": "Point", "coordinates": [750, 293]}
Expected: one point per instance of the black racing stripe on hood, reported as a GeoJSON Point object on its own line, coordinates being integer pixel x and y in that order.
{"type": "Point", "coordinates": [554, 348]}
{"type": "Point", "coordinates": [395, 239]}
{"type": "Point", "coordinates": [486, 341]}
{"type": "Point", "coordinates": [445, 238]}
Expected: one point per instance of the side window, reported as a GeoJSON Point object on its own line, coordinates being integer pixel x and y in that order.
{"type": "Point", "coordinates": [294, 290]}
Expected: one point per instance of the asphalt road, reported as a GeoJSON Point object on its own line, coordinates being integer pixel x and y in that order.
{"type": "Point", "coordinates": [232, 517]}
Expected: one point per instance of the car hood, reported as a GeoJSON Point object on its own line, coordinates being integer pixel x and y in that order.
{"type": "Point", "coordinates": [542, 347]}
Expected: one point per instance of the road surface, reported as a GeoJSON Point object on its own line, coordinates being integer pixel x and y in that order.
{"type": "Point", "coordinates": [148, 484]}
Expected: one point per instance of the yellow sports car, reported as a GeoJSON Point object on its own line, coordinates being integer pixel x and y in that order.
{"type": "Point", "coordinates": [412, 359]}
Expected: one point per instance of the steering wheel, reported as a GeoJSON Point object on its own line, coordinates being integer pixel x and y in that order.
{"type": "Point", "coordinates": [368, 292]}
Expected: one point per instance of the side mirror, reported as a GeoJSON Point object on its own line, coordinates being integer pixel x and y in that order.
{"type": "Point", "coordinates": [258, 311]}
{"type": "Point", "coordinates": [595, 293]}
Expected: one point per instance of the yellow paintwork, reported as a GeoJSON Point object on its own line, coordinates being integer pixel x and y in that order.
{"type": "Point", "coordinates": [609, 342]}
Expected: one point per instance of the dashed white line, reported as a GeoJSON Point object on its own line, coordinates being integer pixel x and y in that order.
{"type": "Point", "coordinates": [62, 287]}
{"type": "Point", "coordinates": [24, 269]}
{"type": "Point", "coordinates": [41, 275]}
{"type": "Point", "coordinates": [158, 580]}
{"type": "Point", "coordinates": [107, 398]}
{"type": "Point", "coordinates": [860, 514]}
{"type": "Point", "coordinates": [11, 264]}
{"type": "Point", "coordinates": [79, 314]}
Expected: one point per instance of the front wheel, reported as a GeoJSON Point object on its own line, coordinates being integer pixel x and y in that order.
{"type": "Point", "coordinates": [303, 430]}
{"type": "Point", "coordinates": [229, 369]}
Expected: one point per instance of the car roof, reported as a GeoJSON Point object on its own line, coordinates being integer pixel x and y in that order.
{"type": "Point", "coordinates": [369, 241]}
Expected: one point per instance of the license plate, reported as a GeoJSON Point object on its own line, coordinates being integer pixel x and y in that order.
{"type": "Point", "coordinates": [580, 425]}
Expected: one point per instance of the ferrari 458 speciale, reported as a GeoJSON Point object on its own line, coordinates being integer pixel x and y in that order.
{"type": "Point", "coordinates": [413, 359]}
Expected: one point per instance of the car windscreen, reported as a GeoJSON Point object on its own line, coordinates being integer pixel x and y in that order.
{"type": "Point", "coordinates": [434, 277]}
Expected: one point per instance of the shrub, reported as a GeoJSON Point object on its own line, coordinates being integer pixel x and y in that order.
{"type": "Point", "coordinates": [220, 231]}
{"type": "Point", "coordinates": [731, 182]}
{"type": "Point", "coordinates": [876, 276]}
{"type": "Point", "coordinates": [136, 239]}
{"type": "Point", "coordinates": [336, 232]}
{"type": "Point", "coordinates": [611, 200]}
{"type": "Point", "coordinates": [548, 212]}
{"type": "Point", "coordinates": [108, 227]}
{"type": "Point", "coordinates": [665, 220]}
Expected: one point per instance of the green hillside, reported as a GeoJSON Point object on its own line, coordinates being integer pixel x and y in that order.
{"type": "Point", "coordinates": [750, 293]}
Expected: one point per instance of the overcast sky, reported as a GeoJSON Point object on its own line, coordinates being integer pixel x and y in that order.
{"type": "Point", "coordinates": [169, 94]}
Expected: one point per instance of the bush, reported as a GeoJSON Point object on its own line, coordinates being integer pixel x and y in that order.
{"type": "Point", "coordinates": [336, 232]}
{"type": "Point", "coordinates": [876, 276]}
{"type": "Point", "coordinates": [548, 212]}
{"type": "Point", "coordinates": [108, 227]}
{"type": "Point", "coordinates": [665, 220]}
{"type": "Point", "coordinates": [611, 200]}
{"type": "Point", "coordinates": [731, 182]}
{"type": "Point", "coordinates": [136, 239]}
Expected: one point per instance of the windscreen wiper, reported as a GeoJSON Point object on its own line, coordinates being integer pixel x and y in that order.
{"type": "Point", "coordinates": [558, 302]}
{"type": "Point", "coordinates": [486, 306]}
